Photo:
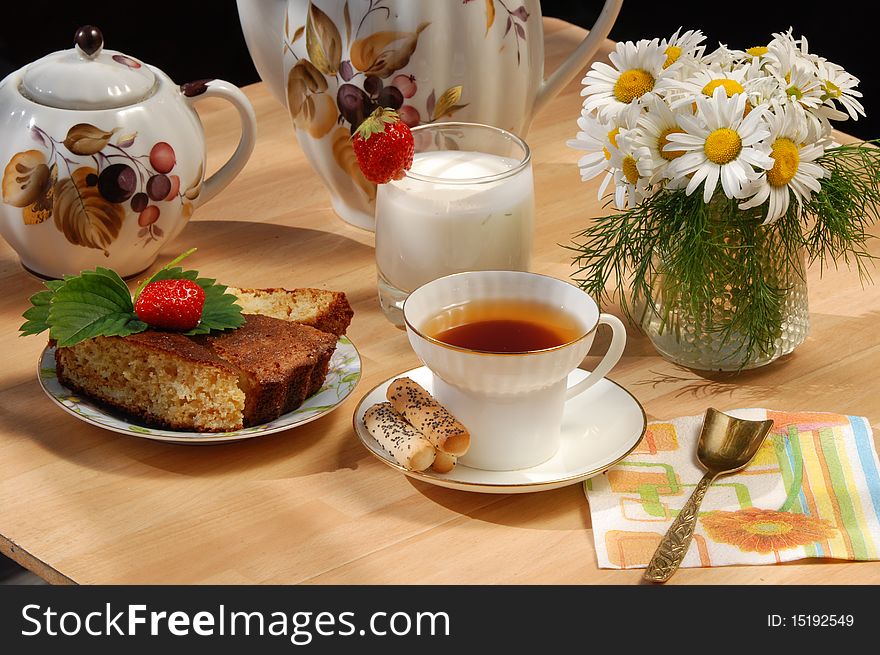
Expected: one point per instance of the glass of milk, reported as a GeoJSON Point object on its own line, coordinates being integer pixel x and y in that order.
{"type": "Point", "coordinates": [467, 204]}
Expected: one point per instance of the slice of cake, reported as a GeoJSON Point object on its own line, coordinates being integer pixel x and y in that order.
{"type": "Point", "coordinates": [327, 311]}
{"type": "Point", "coordinates": [210, 383]}
{"type": "Point", "coordinates": [162, 378]}
{"type": "Point", "coordinates": [280, 363]}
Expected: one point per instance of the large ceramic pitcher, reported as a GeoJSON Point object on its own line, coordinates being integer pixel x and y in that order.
{"type": "Point", "coordinates": [333, 61]}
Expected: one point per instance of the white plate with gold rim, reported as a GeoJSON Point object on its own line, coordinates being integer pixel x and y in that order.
{"type": "Point", "coordinates": [342, 377]}
{"type": "Point", "coordinates": [600, 427]}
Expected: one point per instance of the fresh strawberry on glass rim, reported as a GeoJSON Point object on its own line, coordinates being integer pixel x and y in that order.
{"type": "Point", "coordinates": [171, 304]}
{"type": "Point", "coordinates": [384, 146]}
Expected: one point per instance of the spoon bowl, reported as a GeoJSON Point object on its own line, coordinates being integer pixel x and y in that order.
{"type": "Point", "coordinates": [726, 445]}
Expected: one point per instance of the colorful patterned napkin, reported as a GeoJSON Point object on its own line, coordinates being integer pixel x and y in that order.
{"type": "Point", "coordinates": [813, 490]}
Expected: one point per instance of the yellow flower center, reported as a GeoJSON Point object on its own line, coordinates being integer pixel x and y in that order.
{"type": "Point", "coordinates": [757, 51]}
{"type": "Point", "coordinates": [794, 91]}
{"type": "Point", "coordinates": [612, 136]}
{"type": "Point", "coordinates": [630, 169]}
{"type": "Point", "coordinates": [673, 52]}
{"type": "Point", "coordinates": [633, 84]}
{"type": "Point", "coordinates": [785, 162]}
{"type": "Point", "coordinates": [664, 140]}
{"type": "Point", "coordinates": [768, 528]}
{"type": "Point", "coordinates": [730, 86]}
{"type": "Point", "coordinates": [832, 90]}
{"type": "Point", "coordinates": [722, 146]}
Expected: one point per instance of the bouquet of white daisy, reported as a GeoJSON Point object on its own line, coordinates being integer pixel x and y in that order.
{"type": "Point", "coordinates": [725, 172]}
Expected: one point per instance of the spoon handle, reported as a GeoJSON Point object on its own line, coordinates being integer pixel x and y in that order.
{"type": "Point", "coordinates": [674, 545]}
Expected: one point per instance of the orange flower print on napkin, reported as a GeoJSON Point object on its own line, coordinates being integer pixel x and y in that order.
{"type": "Point", "coordinates": [764, 530]}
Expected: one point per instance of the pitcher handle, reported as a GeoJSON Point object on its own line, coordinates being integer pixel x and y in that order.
{"type": "Point", "coordinates": [195, 91]}
{"type": "Point", "coordinates": [579, 58]}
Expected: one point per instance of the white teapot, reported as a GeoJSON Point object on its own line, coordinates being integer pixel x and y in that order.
{"type": "Point", "coordinates": [331, 62]}
{"type": "Point", "coordinates": [103, 158]}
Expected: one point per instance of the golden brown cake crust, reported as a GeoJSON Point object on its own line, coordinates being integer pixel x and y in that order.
{"type": "Point", "coordinates": [176, 344]}
{"type": "Point", "coordinates": [280, 363]}
{"type": "Point", "coordinates": [268, 346]}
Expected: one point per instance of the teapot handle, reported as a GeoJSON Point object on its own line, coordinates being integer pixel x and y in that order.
{"type": "Point", "coordinates": [579, 58]}
{"type": "Point", "coordinates": [195, 91]}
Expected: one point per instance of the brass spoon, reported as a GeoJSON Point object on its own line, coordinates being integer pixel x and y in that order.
{"type": "Point", "coordinates": [726, 445]}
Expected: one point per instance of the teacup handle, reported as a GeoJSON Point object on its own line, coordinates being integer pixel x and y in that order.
{"type": "Point", "coordinates": [195, 91]}
{"type": "Point", "coordinates": [615, 351]}
{"type": "Point", "coordinates": [581, 56]}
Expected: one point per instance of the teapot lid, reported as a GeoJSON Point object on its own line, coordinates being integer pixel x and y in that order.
{"type": "Point", "coordinates": [87, 76]}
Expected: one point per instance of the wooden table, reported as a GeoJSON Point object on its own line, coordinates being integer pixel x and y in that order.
{"type": "Point", "coordinates": [80, 504]}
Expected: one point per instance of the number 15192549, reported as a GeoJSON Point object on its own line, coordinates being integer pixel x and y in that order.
{"type": "Point", "coordinates": [810, 621]}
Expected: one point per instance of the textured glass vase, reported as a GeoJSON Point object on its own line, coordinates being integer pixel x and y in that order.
{"type": "Point", "coordinates": [701, 337]}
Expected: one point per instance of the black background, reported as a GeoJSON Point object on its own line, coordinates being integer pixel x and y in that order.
{"type": "Point", "coordinates": [191, 40]}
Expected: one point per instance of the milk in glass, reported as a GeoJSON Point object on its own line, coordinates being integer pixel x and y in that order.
{"type": "Point", "coordinates": [455, 211]}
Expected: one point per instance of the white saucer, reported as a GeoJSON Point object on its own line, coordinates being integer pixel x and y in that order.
{"type": "Point", "coordinates": [599, 428]}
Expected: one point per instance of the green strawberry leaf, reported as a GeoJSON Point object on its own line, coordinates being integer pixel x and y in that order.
{"type": "Point", "coordinates": [220, 311]}
{"type": "Point", "coordinates": [98, 303]}
{"type": "Point", "coordinates": [38, 314]}
{"type": "Point", "coordinates": [94, 303]}
{"type": "Point", "coordinates": [375, 122]}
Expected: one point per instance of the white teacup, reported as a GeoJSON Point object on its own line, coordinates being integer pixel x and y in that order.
{"type": "Point", "coordinates": [512, 403]}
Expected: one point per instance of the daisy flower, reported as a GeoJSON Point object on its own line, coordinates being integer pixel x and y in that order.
{"type": "Point", "coordinates": [757, 53]}
{"type": "Point", "coordinates": [802, 85]}
{"type": "Point", "coordinates": [682, 48]}
{"type": "Point", "coordinates": [706, 80]}
{"type": "Point", "coordinates": [789, 61]}
{"type": "Point", "coordinates": [602, 141]}
{"type": "Point", "coordinates": [784, 44]}
{"type": "Point", "coordinates": [594, 138]}
{"type": "Point", "coordinates": [786, 39]}
{"type": "Point", "coordinates": [793, 170]}
{"type": "Point", "coordinates": [633, 171]}
{"type": "Point", "coordinates": [637, 69]}
{"type": "Point", "coordinates": [764, 91]}
{"type": "Point", "coordinates": [840, 86]}
{"type": "Point", "coordinates": [723, 57]}
{"type": "Point", "coordinates": [720, 143]}
{"type": "Point", "coordinates": [784, 48]}
{"type": "Point", "coordinates": [654, 127]}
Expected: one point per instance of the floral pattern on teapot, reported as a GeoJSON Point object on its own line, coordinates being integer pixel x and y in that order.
{"type": "Point", "coordinates": [372, 74]}
{"type": "Point", "coordinates": [90, 181]}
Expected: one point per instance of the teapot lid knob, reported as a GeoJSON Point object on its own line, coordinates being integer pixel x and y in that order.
{"type": "Point", "coordinates": [89, 41]}
{"type": "Point", "coordinates": [88, 76]}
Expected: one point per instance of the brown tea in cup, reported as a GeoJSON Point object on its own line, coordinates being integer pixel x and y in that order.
{"type": "Point", "coordinates": [504, 326]}
{"type": "Point", "coordinates": [511, 402]}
